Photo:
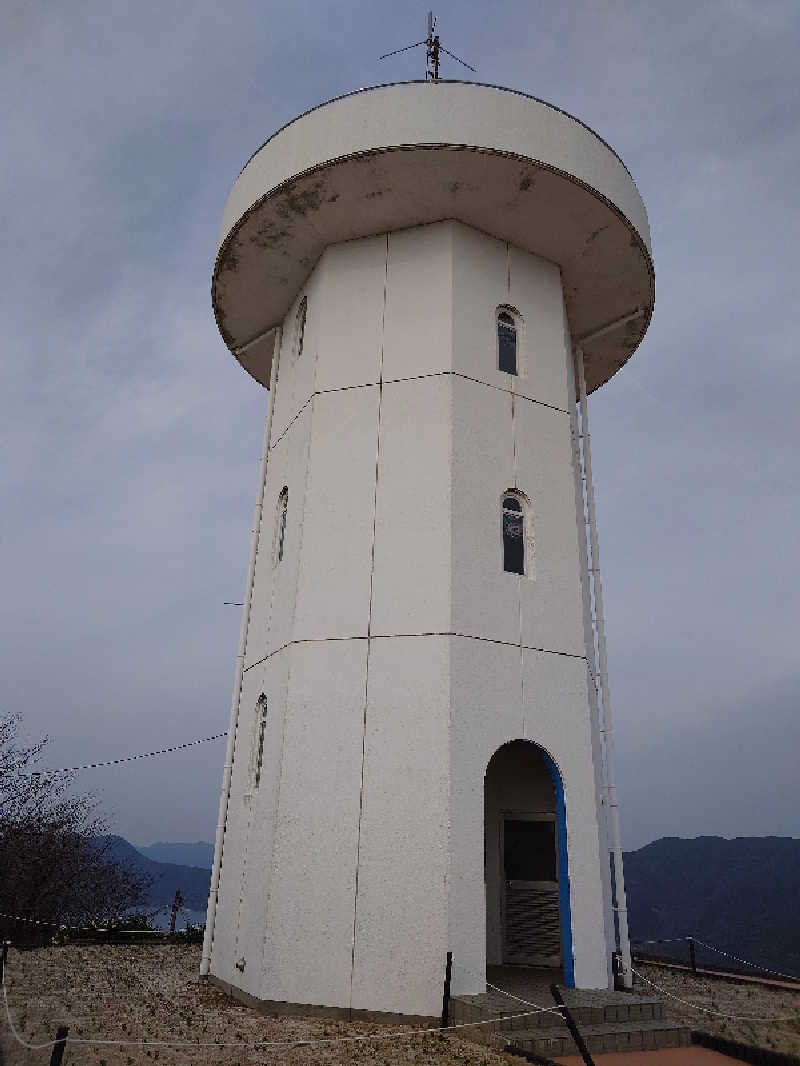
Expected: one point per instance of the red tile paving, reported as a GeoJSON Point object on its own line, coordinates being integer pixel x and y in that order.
{"type": "Point", "coordinates": [673, 1056]}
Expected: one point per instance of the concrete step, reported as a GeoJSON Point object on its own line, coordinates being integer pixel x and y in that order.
{"type": "Point", "coordinates": [588, 1007]}
{"type": "Point", "coordinates": [620, 1036]}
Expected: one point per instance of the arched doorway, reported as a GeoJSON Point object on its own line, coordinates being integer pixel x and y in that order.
{"type": "Point", "coordinates": [527, 881]}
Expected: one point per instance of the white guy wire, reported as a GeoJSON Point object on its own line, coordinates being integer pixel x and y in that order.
{"type": "Point", "coordinates": [127, 758]}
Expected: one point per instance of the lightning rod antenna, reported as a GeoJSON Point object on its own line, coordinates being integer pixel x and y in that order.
{"type": "Point", "coordinates": [433, 48]}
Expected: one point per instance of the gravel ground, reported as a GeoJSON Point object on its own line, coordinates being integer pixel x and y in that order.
{"type": "Point", "coordinates": [150, 993]}
{"type": "Point", "coordinates": [719, 997]}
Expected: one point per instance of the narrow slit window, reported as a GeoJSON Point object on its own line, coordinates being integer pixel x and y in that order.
{"type": "Point", "coordinates": [280, 532]}
{"type": "Point", "coordinates": [259, 753]}
{"type": "Point", "coordinates": [506, 342]}
{"type": "Point", "coordinates": [513, 536]}
{"type": "Point", "coordinates": [300, 328]}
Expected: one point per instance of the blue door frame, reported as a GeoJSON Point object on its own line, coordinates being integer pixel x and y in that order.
{"type": "Point", "coordinates": [565, 911]}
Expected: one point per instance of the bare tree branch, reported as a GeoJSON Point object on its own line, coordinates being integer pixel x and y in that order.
{"type": "Point", "coordinates": [54, 862]}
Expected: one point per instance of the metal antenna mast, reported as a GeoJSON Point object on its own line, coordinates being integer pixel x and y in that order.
{"type": "Point", "coordinates": [434, 47]}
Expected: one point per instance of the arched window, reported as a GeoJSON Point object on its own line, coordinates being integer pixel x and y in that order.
{"type": "Point", "coordinates": [300, 328]}
{"type": "Point", "coordinates": [513, 534]}
{"type": "Point", "coordinates": [280, 527]}
{"type": "Point", "coordinates": [507, 340]}
{"type": "Point", "coordinates": [258, 753]}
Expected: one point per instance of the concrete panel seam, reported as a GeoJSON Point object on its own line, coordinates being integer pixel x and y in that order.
{"type": "Point", "coordinates": [519, 583]}
{"type": "Point", "coordinates": [292, 421]}
{"type": "Point", "coordinates": [277, 807]}
{"type": "Point", "coordinates": [424, 633]}
{"type": "Point", "coordinates": [272, 586]}
{"type": "Point", "coordinates": [302, 640]}
{"type": "Point", "coordinates": [414, 377]}
{"type": "Point", "coordinates": [348, 388]}
{"type": "Point", "coordinates": [369, 622]}
{"type": "Point", "coordinates": [258, 518]}
{"type": "Point", "coordinates": [486, 384]}
{"type": "Point", "coordinates": [276, 810]}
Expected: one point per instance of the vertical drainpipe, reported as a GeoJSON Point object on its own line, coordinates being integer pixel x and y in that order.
{"type": "Point", "coordinates": [606, 726]}
{"type": "Point", "coordinates": [591, 655]}
{"type": "Point", "coordinates": [211, 914]}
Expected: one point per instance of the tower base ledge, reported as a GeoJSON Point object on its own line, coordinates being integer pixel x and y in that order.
{"type": "Point", "coordinates": [317, 1010]}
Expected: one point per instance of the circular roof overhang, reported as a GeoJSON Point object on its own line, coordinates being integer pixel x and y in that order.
{"type": "Point", "coordinates": [405, 155]}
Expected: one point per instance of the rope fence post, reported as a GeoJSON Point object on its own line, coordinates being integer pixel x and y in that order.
{"type": "Point", "coordinates": [617, 971]}
{"type": "Point", "coordinates": [57, 1053]}
{"type": "Point", "coordinates": [692, 956]}
{"type": "Point", "coordinates": [448, 973]}
{"type": "Point", "coordinates": [3, 957]}
{"type": "Point", "coordinates": [580, 1043]}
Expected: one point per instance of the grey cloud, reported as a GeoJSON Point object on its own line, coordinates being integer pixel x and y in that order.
{"type": "Point", "coordinates": [131, 437]}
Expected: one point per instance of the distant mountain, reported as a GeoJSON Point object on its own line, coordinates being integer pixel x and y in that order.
{"type": "Point", "coordinates": [199, 854]}
{"type": "Point", "coordinates": [740, 895]}
{"type": "Point", "coordinates": [166, 877]}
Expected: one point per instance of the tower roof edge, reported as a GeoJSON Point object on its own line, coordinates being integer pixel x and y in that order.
{"type": "Point", "coordinates": [412, 153]}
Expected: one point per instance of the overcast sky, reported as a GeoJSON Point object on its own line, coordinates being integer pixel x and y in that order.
{"type": "Point", "coordinates": [130, 437]}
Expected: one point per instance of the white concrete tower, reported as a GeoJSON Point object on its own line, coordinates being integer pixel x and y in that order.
{"type": "Point", "coordinates": [415, 760]}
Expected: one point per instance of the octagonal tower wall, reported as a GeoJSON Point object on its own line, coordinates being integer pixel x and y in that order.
{"type": "Point", "coordinates": [394, 653]}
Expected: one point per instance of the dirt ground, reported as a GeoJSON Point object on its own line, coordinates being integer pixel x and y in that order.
{"type": "Point", "coordinates": [754, 1007]}
{"type": "Point", "coordinates": [152, 993]}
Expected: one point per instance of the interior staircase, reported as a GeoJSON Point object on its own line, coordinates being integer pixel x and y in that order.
{"type": "Point", "coordinates": [608, 1021]}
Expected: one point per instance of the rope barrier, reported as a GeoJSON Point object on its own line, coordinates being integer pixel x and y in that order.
{"type": "Point", "coordinates": [400, 1034]}
{"type": "Point", "coordinates": [32, 921]}
{"type": "Point", "coordinates": [668, 940]}
{"type": "Point", "coordinates": [518, 999]}
{"type": "Point", "coordinates": [721, 951]}
{"type": "Point", "coordinates": [503, 992]}
{"type": "Point", "coordinates": [361, 1038]}
{"type": "Point", "coordinates": [745, 962]}
{"type": "Point", "coordinates": [79, 926]}
{"type": "Point", "coordinates": [130, 758]}
{"type": "Point", "coordinates": [89, 929]}
{"type": "Point", "coordinates": [708, 1010]}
